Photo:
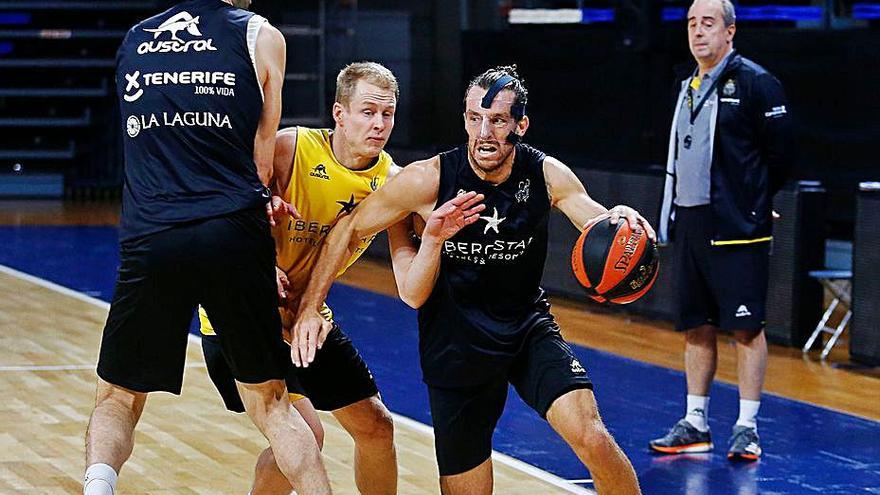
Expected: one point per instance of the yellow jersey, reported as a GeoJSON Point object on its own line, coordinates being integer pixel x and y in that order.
{"type": "Point", "coordinates": [321, 189]}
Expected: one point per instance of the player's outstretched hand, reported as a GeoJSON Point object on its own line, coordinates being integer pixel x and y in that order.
{"type": "Point", "coordinates": [453, 216]}
{"type": "Point", "coordinates": [277, 208]}
{"type": "Point", "coordinates": [309, 333]}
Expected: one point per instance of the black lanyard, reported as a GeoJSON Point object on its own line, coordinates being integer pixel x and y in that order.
{"type": "Point", "coordinates": [712, 87]}
{"type": "Point", "coordinates": [690, 96]}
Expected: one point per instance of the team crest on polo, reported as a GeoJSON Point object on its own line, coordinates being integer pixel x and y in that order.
{"type": "Point", "coordinates": [729, 88]}
{"type": "Point", "coordinates": [181, 21]}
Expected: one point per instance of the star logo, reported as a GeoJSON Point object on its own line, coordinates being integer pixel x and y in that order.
{"type": "Point", "coordinates": [492, 222]}
{"type": "Point", "coordinates": [347, 206]}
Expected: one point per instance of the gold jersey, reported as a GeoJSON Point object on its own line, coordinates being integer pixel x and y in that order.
{"type": "Point", "coordinates": [321, 189]}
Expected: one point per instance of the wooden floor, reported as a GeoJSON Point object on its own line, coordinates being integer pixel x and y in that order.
{"type": "Point", "coordinates": [190, 444]}
{"type": "Point", "coordinates": [184, 445]}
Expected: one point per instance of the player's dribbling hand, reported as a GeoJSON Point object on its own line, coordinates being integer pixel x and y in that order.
{"type": "Point", "coordinates": [309, 333]}
{"type": "Point", "coordinates": [453, 216]}
{"type": "Point", "coordinates": [277, 208]}
{"type": "Point", "coordinates": [632, 217]}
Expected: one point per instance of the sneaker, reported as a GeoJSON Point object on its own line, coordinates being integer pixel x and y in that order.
{"type": "Point", "coordinates": [744, 444]}
{"type": "Point", "coordinates": [682, 438]}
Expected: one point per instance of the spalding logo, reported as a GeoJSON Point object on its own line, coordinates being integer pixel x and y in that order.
{"type": "Point", "coordinates": [628, 250]}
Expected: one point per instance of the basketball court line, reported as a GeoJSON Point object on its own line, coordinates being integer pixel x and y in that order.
{"type": "Point", "coordinates": [410, 423]}
{"type": "Point", "coordinates": [69, 367]}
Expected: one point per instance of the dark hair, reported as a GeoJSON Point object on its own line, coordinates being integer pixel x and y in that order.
{"type": "Point", "coordinates": [488, 78]}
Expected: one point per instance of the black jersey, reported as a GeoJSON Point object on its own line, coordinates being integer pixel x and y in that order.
{"type": "Point", "coordinates": [488, 295]}
{"type": "Point", "coordinates": [190, 103]}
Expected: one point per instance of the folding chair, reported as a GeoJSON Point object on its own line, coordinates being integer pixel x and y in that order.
{"type": "Point", "coordinates": [839, 283]}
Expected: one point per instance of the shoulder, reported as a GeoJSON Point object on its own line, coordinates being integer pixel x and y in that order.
{"type": "Point", "coordinates": [554, 169]}
{"type": "Point", "coordinates": [756, 79]}
{"type": "Point", "coordinates": [394, 169]}
{"type": "Point", "coordinates": [285, 139]}
{"type": "Point", "coordinates": [419, 176]}
{"type": "Point", "coordinates": [423, 168]}
{"type": "Point", "coordinates": [531, 153]}
{"type": "Point", "coordinates": [269, 35]}
{"type": "Point", "coordinates": [750, 70]}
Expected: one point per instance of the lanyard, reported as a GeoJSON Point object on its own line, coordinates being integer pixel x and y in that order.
{"type": "Point", "coordinates": [690, 92]}
{"type": "Point", "coordinates": [690, 96]}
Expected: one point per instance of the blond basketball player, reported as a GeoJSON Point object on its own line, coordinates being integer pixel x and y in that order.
{"type": "Point", "coordinates": [324, 174]}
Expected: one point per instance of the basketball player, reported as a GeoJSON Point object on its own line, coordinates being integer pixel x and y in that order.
{"type": "Point", "coordinates": [484, 321]}
{"type": "Point", "coordinates": [325, 174]}
{"type": "Point", "coordinates": [198, 155]}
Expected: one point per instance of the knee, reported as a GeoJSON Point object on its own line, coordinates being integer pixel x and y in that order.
{"type": "Point", "coordinates": [593, 440]}
{"type": "Point", "coordinates": [746, 337]}
{"type": "Point", "coordinates": [265, 396]}
{"type": "Point", "coordinates": [119, 401]}
{"type": "Point", "coordinates": [376, 428]}
{"type": "Point", "coordinates": [702, 336]}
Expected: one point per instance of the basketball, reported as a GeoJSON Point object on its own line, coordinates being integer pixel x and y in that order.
{"type": "Point", "coordinates": [614, 263]}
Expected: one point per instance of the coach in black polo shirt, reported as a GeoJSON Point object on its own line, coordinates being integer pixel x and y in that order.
{"type": "Point", "coordinates": [728, 153]}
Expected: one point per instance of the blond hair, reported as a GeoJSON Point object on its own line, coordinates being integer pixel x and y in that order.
{"type": "Point", "coordinates": [371, 72]}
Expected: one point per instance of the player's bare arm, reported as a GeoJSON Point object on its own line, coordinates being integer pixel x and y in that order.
{"type": "Point", "coordinates": [271, 56]}
{"type": "Point", "coordinates": [413, 190]}
{"type": "Point", "coordinates": [282, 160]}
{"type": "Point", "coordinates": [416, 267]}
{"type": "Point", "coordinates": [569, 196]}
{"type": "Point", "coordinates": [282, 170]}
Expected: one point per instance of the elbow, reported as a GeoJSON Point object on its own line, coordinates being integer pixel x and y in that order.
{"type": "Point", "coordinates": [414, 301]}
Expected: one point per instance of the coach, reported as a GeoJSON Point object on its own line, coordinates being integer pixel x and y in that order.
{"type": "Point", "coordinates": [729, 149]}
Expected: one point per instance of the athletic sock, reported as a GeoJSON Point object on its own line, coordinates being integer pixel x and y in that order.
{"type": "Point", "coordinates": [748, 413]}
{"type": "Point", "coordinates": [100, 480]}
{"type": "Point", "coordinates": [698, 411]}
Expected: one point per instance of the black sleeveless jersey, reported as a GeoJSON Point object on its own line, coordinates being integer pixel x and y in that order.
{"type": "Point", "coordinates": [190, 103]}
{"type": "Point", "coordinates": [488, 295]}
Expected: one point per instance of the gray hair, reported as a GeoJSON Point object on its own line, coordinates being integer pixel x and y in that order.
{"type": "Point", "coordinates": [728, 11]}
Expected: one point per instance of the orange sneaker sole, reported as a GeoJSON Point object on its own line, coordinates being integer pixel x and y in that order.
{"type": "Point", "coordinates": [683, 449]}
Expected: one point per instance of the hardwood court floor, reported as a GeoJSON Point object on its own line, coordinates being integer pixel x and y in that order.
{"type": "Point", "coordinates": [184, 445]}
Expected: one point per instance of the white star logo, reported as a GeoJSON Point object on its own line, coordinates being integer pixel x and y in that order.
{"type": "Point", "coordinates": [492, 222]}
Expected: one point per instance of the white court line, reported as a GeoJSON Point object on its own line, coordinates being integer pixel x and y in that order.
{"type": "Point", "coordinates": [511, 462]}
{"type": "Point", "coordinates": [70, 367]}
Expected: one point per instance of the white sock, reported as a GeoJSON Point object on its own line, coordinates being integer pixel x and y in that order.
{"type": "Point", "coordinates": [698, 411]}
{"type": "Point", "coordinates": [100, 480]}
{"type": "Point", "coordinates": [748, 413]}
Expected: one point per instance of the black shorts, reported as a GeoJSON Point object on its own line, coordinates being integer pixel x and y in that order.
{"type": "Point", "coordinates": [465, 417]}
{"type": "Point", "coordinates": [226, 264]}
{"type": "Point", "coordinates": [337, 378]}
{"type": "Point", "coordinates": [724, 286]}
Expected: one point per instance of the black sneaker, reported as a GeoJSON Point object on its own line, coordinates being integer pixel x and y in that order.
{"type": "Point", "coordinates": [683, 438]}
{"type": "Point", "coordinates": [744, 444]}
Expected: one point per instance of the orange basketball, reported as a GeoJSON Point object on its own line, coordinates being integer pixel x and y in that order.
{"type": "Point", "coordinates": [614, 263]}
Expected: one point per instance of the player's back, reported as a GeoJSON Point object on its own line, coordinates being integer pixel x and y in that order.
{"type": "Point", "coordinates": [190, 103]}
